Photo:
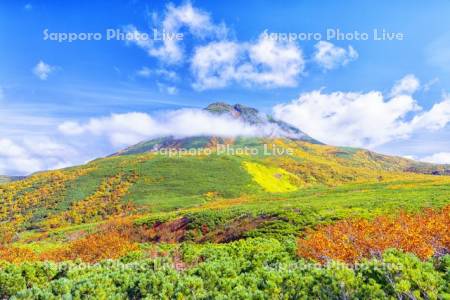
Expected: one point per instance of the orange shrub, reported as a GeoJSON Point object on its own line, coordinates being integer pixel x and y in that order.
{"type": "Point", "coordinates": [113, 240]}
{"type": "Point", "coordinates": [93, 248]}
{"type": "Point", "coordinates": [17, 255]}
{"type": "Point", "coordinates": [424, 234]}
{"type": "Point", "coordinates": [7, 232]}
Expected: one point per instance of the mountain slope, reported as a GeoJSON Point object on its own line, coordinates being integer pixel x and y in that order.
{"type": "Point", "coordinates": [146, 180]}
{"type": "Point", "coordinates": [355, 157]}
{"type": "Point", "coordinates": [155, 182]}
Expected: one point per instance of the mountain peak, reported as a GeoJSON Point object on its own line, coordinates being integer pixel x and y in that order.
{"type": "Point", "coordinates": [270, 128]}
{"type": "Point", "coordinates": [219, 107]}
{"type": "Point", "coordinates": [246, 113]}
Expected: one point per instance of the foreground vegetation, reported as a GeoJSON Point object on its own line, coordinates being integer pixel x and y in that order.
{"type": "Point", "coordinates": [323, 223]}
{"type": "Point", "coordinates": [350, 259]}
{"type": "Point", "coordinates": [247, 269]}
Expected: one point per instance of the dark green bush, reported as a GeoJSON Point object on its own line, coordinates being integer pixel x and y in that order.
{"type": "Point", "coordinates": [246, 269]}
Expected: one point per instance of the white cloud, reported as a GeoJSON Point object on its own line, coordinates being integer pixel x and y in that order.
{"type": "Point", "coordinates": [351, 119]}
{"type": "Point", "coordinates": [130, 128]}
{"type": "Point", "coordinates": [214, 65]}
{"type": "Point", "coordinates": [171, 90]}
{"type": "Point", "coordinates": [30, 142]}
{"type": "Point", "coordinates": [408, 85]}
{"type": "Point", "coordinates": [361, 119]}
{"type": "Point", "coordinates": [329, 56]}
{"type": "Point", "coordinates": [42, 70]}
{"type": "Point", "coordinates": [273, 63]}
{"type": "Point", "coordinates": [43, 146]}
{"type": "Point", "coordinates": [197, 22]}
{"type": "Point", "coordinates": [10, 149]}
{"type": "Point", "coordinates": [427, 86]}
{"type": "Point", "coordinates": [32, 155]}
{"type": "Point", "coordinates": [438, 158]}
{"type": "Point", "coordinates": [144, 72]}
{"type": "Point", "coordinates": [217, 61]}
{"type": "Point", "coordinates": [411, 157]}
{"type": "Point", "coordinates": [161, 73]}
{"type": "Point", "coordinates": [166, 74]}
{"type": "Point", "coordinates": [266, 62]}
{"type": "Point", "coordinates": [436, 118]}
{"type": "Point", "coordinates": [70, 128]}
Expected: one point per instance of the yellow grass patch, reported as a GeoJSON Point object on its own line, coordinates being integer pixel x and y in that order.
{"type": "Point", "coordinates": [273, 180]}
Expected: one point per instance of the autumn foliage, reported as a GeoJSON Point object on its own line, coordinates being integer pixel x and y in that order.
{"type": "Point", "coordinates": [424, 234]}
{"type": "Point", "coordinates": [112, 240]}
{"type": "Point", "coordinates": [94, 248]}
{"type": "Point", "coordinates": [17, 255]}
{"type": "Point", "coordinates": [105, 202]}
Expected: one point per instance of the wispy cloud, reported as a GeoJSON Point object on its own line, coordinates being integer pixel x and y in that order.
{"type": "Point", "coordinates": [183, 18]}
{"type": "Point", "coordinates": [126, 95]}
{"type": "Point", "coordinates": [144, 72]}
{"type": "Point", "coordinates": [218, 60]}
{"type": "Point", "coordinates": [329, 56]}
{"type": "Point", "coordinates": [429, 84]}
{"type": "Point", "coordinates": [408, 85]}
{"type": "Point", "coordinates": [167, 89]}
{"type": "Point", "coordinates": [161, 73]}
{"type": "Point", "coordinates": [43, 70]}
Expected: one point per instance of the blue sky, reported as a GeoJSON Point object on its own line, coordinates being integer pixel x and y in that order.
{"type": "Point", "coordinates": [387, 95]}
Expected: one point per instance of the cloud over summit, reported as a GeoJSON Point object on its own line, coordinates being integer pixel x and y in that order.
{"type": "Point", "coordinates": [130, 128]}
